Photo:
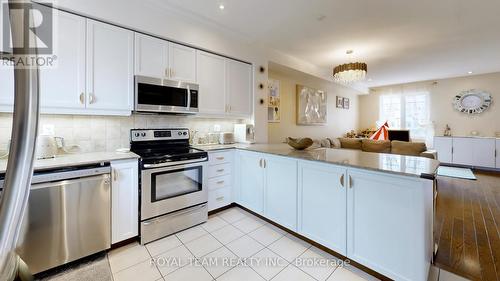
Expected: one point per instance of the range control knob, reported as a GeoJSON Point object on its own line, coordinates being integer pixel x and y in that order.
{"type": "Point", "coordinates": [185, 133]}
{"type": "Point", "coordinates": [143, 134]}
{"type": "Point", "coordinates": [137, 135]}
{"type": "Point", "coordinates": [179, 133]}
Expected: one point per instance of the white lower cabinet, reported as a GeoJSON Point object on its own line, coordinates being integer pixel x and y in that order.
{"type": "Point", "coordinates": [280, 190]}
{"type": "Point", "coordinates": [389, 223]}
{"type": "Point", "coordinates": [497, 153]}
{"type": "Point", "coordinates": [124, 200]}
{"type": "Point", "coordinates": [444, 149]}
{"type": "Point", "coordinates": [322, 204]}
{"type": "Point", "coordinates": [250, 181]}
{"type": "Point", "coordinates": [220, 179]}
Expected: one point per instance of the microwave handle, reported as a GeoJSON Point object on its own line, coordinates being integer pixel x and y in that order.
{"type": "Point", "coordinates": [188, 97]}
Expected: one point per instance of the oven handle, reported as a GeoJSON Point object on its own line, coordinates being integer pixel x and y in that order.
{"type": "Point", "coordinates": [176, 214]}
{"type": "Point", "coordinates": [168, 164]}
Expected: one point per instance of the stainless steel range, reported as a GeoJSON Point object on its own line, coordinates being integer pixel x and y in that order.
{"type": "Point", "coordinates": [173, 186]}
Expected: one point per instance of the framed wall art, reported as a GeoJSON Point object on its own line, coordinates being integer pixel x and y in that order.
{"type": "Point", "coordinates": [274, 101]}
{"type": "Point", "coordinates": [311, 106]}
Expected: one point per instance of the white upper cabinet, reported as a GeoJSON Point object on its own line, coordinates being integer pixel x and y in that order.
{"type": "Point", "coordinates": [62, 87]}
{"type": "Point", "coordinates": [151, 56]}
{"type": "Point", "coordinates": [6, 88]}
{"type": "Point", "coordinates": [239, 83]}
{"type": "Point", "coordinates": [163, 59]}
{"type": "Point", "coordinates": [211, 74]}
{"type": "Point", "coordinates": [182, 62]}
{"type": "Point", "coordinates": [110, 65]}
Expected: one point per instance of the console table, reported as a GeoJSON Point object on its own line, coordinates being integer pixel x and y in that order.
{"type": "Point", "coordinates": [480, 152]}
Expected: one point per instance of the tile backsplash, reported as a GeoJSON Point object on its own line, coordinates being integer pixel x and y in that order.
{"type": "Point", "coordinates": [107, 133]}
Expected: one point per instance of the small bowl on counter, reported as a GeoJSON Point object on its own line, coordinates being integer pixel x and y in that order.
{"type": "Point", "coordinates": [299, 144]}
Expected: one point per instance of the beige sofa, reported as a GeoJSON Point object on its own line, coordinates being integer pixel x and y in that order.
{"type": "Point", "coordinates": [368, 145]}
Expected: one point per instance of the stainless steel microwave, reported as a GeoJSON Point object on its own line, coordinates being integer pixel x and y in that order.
{"type": "Point", "coordinates": [165, 96]}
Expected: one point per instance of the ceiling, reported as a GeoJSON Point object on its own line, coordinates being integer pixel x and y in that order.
{"type": "Point", "coordinates": [401, 40]}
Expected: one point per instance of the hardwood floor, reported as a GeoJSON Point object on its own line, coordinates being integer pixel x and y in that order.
{"type": "Point", "coordinates": [467, 226]}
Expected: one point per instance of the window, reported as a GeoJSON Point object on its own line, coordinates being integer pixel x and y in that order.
{"type": "Point", "coordinates": [408, 111]}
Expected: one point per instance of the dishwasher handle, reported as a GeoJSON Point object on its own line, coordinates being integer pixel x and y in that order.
{"type": "Point", "coordinates": [104, 177]}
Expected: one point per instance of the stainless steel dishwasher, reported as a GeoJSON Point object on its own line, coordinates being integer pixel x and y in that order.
{"type": "Point", "coordinates": [68, 217]}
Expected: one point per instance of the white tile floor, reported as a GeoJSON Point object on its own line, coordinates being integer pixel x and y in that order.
{"type": "Point", "coordinates": [234, 245]}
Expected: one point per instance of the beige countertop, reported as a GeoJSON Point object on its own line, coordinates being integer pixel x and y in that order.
{"type": "Point", "coordinates": [75, 160]}
{"type": "Point", "coordinates": [390, 163]}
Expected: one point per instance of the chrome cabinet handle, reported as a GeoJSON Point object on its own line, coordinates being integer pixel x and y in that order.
{"type": "Point", "coordinates": [82, 98]}
{"type": "Point", "coordinates": [350, 182]}
{"type": "Point", "coordinates": [167, 73]}
{"type": "Point", "coordinates": [260, 163]}
{"type": "Point", "coordinates": [342, 180]}
{"type": "Point", "coordinates": [91, 98]}
{"type": "Point", "coordinates": [219, 198]}
{"type": "Point", "coordinates": [220, 170]}
{"type": "Point", "coordinates": [220, 182]}
{"type": "Point", "coordinates": [219, 158]}
{"type": "Point", "coordinates": [172, 72]}
{"type": "Point", "coordinates": [265, 163]}
{"type": "Point", "coordinates": [115, 175]}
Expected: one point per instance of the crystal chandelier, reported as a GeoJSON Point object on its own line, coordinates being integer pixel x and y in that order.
{"type": "Point", "coordinates": [350, 72]}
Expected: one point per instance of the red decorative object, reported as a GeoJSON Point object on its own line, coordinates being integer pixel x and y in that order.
{"type": "Point", "coordinates": [382, 133]}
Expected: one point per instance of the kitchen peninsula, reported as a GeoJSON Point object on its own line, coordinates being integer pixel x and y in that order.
{"type": "Point", "coordinates": [375, 209]}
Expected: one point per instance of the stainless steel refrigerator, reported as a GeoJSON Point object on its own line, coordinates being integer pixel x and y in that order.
{"type": "Point", "coordinates": [19, 171]}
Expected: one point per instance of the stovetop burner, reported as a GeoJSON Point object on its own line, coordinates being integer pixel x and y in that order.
{"type": "Point", "coordinates": [163, 145]}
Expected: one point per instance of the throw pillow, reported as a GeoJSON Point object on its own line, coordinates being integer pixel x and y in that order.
{"type": "Point", "coordinates": [350, 143]}
{"type": "Point", "coordinates": [381, 146]}
{"type": "Point", "coordinates": [408, 148]}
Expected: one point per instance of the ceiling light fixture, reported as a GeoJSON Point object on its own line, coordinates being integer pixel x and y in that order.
{"type": "Point", "coordinates": [221, 7]}
{"type": "Point", "coordinates": [350, 72]}
{"type": "Point", "coordinates": [470, 72]}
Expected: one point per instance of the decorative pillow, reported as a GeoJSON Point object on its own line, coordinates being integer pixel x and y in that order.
{"type": "Point", "coordinates": [381, 146]}
{"type": "Point", "coordinates": [325, 143]}
{"type": "Point", "coordinates": [350, 143]}
{"type": "Point", "coordinates": [335, 142]}
{"type": "Point", "coordinates": [408, 148]}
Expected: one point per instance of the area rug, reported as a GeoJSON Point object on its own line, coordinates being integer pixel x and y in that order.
{"type": "Point", "coordinates": [453, 172]}
{"type": "Point", "coordinates": [94, 269]}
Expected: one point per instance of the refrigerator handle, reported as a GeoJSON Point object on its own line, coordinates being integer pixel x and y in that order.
{"type": "Point", "coordinates": [22, 148]}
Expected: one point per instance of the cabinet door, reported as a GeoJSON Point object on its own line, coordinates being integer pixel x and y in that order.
{"type": "Point", "coordinates": [497, 153]}
{"type": "Point", "coordinates": [484, 152]}
{"type": "Point", "coordinates": [62, 87]}
{"type": "Point", "coordinates": [463, 151]}
{"type": "Point", "coordinates": [322, 204]}
{"type": "Point", "coordinates": [182, 61]}
{"type": "Point", "coordinates": [444, 146]}
{"type": "Point", "coordinates": [6, 88]}
{"type": "Point", "coordinates": [239, 88]}
{"type": "Point", "coordinates": [251, 181]}
{"type": "Point", "coordinates": [389, 224]}
{"type": "Point", "coordinates": [110, 52]}
{"type": "Point", "coordinates": [280, 195]}
{"type": "Point", "coordinates": [151, 56]}
{"type": "Point", "coordinates": [211, 73]}
{"type": "Point", "coordinates": [124, 200]}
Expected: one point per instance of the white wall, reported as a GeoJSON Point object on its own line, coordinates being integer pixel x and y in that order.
{"type": "Point", "coordinates": [339, 122]}
{"type": "Point", "coordinates": [441, 109]}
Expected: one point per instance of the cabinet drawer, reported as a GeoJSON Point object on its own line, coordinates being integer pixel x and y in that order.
{"type": "Point", "coordinates": [219, 170]}
{"type": "Point", "coordinates": [217, 158]}
{"type": "Point", "coordinates": [219, 182]}
{"type": "Point", "coordinates": [219, 198]}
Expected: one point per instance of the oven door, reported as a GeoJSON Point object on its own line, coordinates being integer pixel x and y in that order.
{"type": "Point", "coordinates": [169, 189]}
{"type": "Point", "coordinates": [167, 96]}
